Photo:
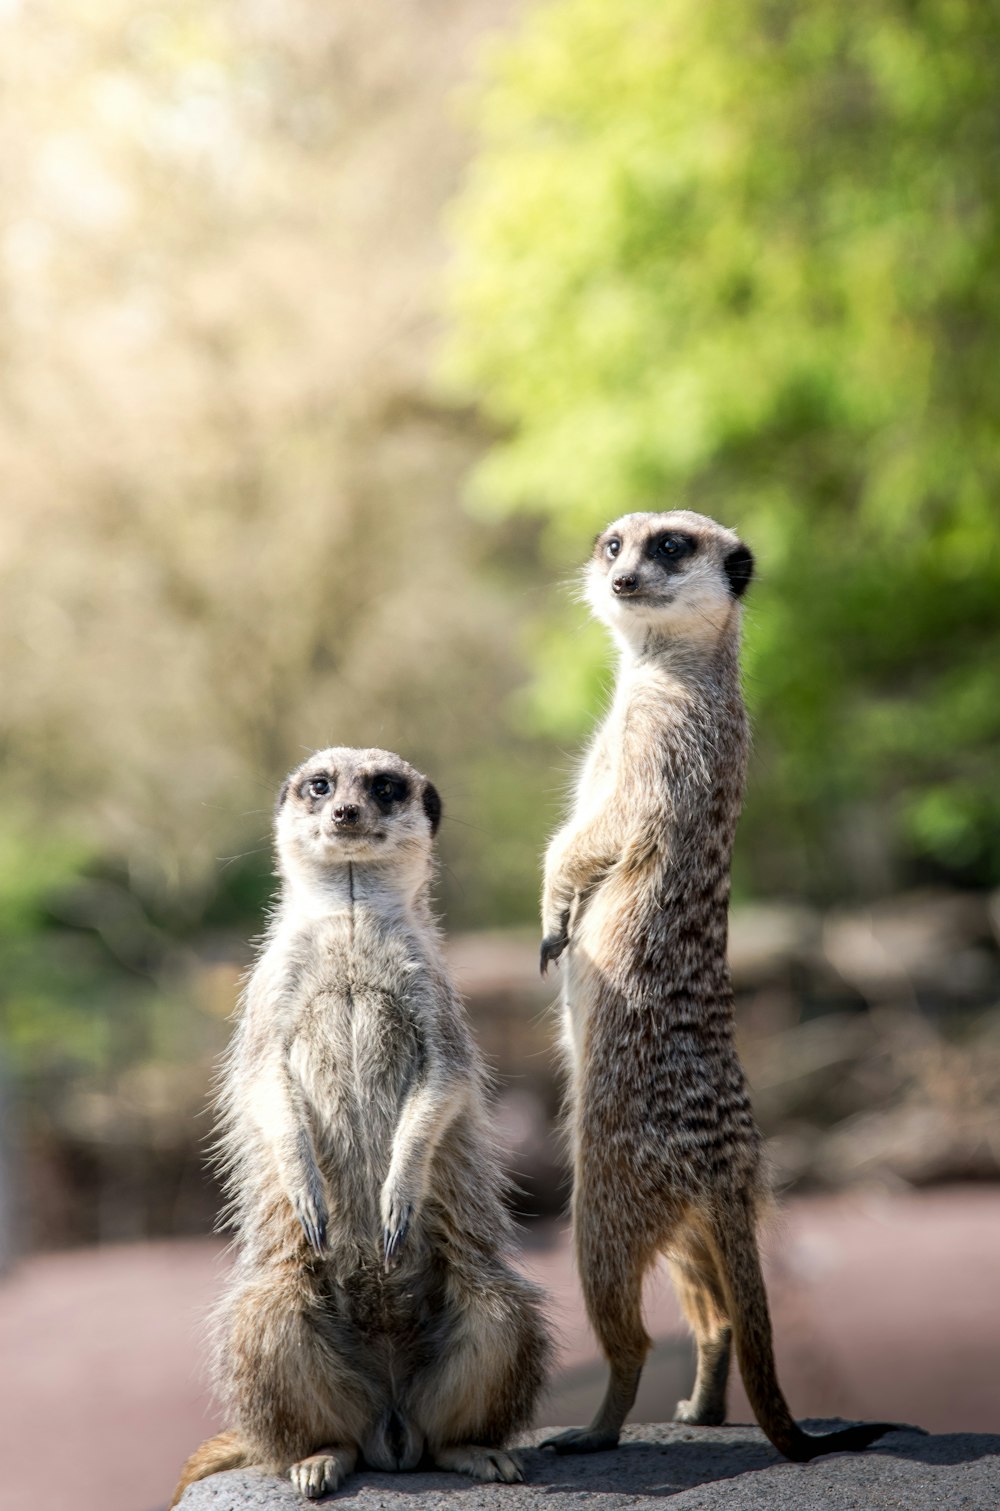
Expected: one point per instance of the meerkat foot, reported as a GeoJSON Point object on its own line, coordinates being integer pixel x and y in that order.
{"type": "Point", "coordinates": [481, 1463]}
{"type": "Point", "coordinates": [583, 1440]}
{"type": "Point", "coordinates": [323, 1472]}
{"type": "Point", "coordinates": [711, 1415]}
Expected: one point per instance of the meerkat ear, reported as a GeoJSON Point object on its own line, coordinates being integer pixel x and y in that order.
{"type": "Point", "coordinates": [432, 806]}
{"type": "Point", "coordinates": [286, 784]}
{"type": "Point", "coordinates": [739, 569]}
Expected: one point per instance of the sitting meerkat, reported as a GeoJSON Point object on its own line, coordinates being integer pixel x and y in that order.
{"type": "Point", "coordinates": [374, 1309]}
{"type": "Point", "coordinates": [666, 1152]}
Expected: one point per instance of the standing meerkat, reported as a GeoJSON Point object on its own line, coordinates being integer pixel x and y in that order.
{"type": "Point", "coordinates": [667, 1157]}
{"type": "Point", "coordinates": [374, 1309]}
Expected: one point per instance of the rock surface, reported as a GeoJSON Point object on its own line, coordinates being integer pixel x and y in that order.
{"type": "Point", "coordinates": [696, 1469]}
{"type": "Point", "coordinates": [884, 1307]}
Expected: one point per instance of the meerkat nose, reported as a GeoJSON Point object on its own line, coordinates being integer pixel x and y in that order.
{"type": "Point", "coordinates": [625, 584]}
{"type": "Point", "coordinates": [346, 814]}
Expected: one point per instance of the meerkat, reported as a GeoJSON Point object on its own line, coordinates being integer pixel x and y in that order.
{"type": "Point", "coordinates": [667, 1157]}
{"type": "Point", "coordinates": [374, 1310]}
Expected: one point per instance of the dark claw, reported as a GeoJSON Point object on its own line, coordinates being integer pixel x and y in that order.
{"type": "Point", "coordinates": [315, 1230]}
{"type": "Point", "coordinates": [552, 947]}
{"type": "Point", "coordinates": [393, 1239]}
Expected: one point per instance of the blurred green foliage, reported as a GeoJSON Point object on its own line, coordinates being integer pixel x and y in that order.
{"type": "Point", "coordinates": [746, 259]}
{"type": "Point", "coordinates": [93, 979]}
{"type": "Point", "coordinates": [48, 1013]}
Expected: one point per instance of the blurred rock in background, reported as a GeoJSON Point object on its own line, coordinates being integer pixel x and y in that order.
{"type": "Point", "coordinates": [871, 1038]}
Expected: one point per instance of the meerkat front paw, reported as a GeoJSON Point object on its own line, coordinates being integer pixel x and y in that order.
{"type": "Point", "coordinates": [310, 1209]}
{"type": "Point", "coordinates": [397, 1215]}
{"type": "Point", "coordinates": [552, 947]}
{"type": "Point", "coordinates": [323, 1472]}
{"type": "Point", "coordinates": [555, 929]}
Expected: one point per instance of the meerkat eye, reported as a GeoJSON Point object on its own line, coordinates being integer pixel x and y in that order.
{"type": "Point", "coordinates": [318, 786]}
{"type": "Point", "coordinates": [612, 548]}
{"type": "Point", "coordinates": [388, 789]}
{"type": "Point", "coordinates": [674, 547]}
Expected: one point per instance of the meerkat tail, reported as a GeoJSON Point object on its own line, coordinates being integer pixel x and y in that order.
{"type": "Point", "coordinates": [226, 1450]}
{"type": "Point", "coordinates": [734, 1239]}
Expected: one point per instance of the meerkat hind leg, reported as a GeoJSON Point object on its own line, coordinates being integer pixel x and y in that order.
{"type": "Point", "coordinates": [612, 1290]}
{"type": "Point", "coordinates": [323, 1472]}
{"type": "Point", "coordinates": [699, 1291]}
{"type": "Point", "coordinates": [706, 1405]}
{"type": "Point", "coordinates": [482, 1387]}
{"type": "Point", "coordinates": [295, 1388]}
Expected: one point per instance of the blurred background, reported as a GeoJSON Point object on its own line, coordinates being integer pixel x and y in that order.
{"type": "Point", "coordinates": [330, 337]}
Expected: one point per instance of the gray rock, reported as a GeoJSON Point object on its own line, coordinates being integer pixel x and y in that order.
{"type": "Point", "coordinates": [696, 1469]}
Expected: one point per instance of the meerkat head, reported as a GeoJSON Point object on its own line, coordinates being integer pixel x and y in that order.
{"type": "Point", "coordinates": [363, 807]}
{"type": "Point", "coordinates": [667, 577]}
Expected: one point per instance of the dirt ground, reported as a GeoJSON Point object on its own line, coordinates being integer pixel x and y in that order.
{"type": "Point", "coordinates": [885, 1305]}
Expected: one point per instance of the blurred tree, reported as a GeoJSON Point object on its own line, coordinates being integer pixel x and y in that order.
{"type": "Point", "coordinates": [746, 258]}
{"type": "Point", "coordinates": [233, 531]}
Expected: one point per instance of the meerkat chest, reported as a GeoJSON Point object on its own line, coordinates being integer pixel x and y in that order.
{"type": "Point", "coordinates": [357, 1044]}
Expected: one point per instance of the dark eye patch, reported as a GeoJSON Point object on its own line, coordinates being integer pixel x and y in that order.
{"type": "Point", "coordinates": [671, 548]}
{"type": "Point", "coordinates": [387, 788]}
